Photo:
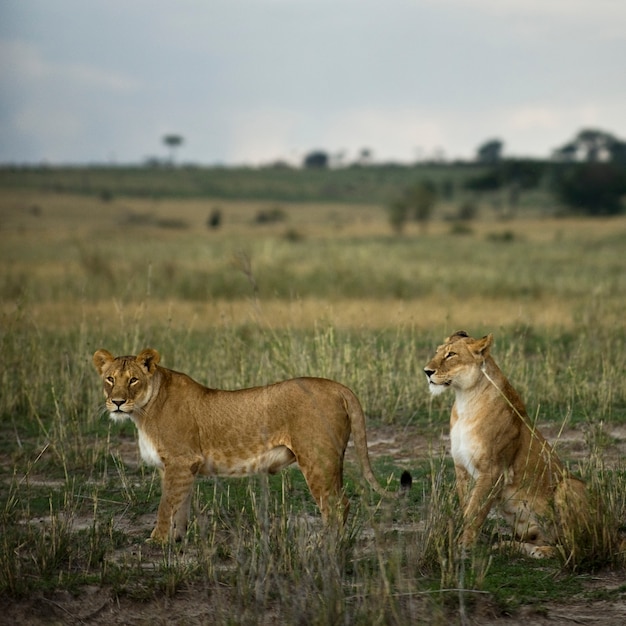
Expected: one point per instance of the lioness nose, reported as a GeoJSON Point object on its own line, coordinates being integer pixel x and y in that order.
{"type": "Point", "coordinates": [428, 372]}
{"type": "Point", "coordinates": [118, 403]}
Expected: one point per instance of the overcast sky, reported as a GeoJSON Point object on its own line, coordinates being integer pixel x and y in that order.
{"type": "Point", "coordinates": [254, 81]}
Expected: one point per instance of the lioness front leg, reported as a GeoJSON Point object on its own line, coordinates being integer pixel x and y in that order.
{"type": "Point", "coordinates": [462, 485]}
{"type": "Point", "coordinates": [176, 483]}
{"type": "Point", "coordinates": [483, 495]}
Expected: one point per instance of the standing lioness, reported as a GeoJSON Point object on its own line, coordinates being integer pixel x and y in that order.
{"type": "Point", "coordinates": [186, 429]}
{"type": "Point", "coordinates": [495, 447]}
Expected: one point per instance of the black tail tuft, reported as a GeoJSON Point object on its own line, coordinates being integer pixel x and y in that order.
{"type": "Point", "coordinates": [406, 480]}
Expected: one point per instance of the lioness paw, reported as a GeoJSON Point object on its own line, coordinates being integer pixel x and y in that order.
{"type": "Point", "coordinates": [157, 537]}
{"type": "Point", "coordinates": [529, 549]}
{"type": "Point", "coordinates": [541, 552]}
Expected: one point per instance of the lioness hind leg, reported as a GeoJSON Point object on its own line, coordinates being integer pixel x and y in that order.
{"type": "Point", "coordinates": [326, 487]}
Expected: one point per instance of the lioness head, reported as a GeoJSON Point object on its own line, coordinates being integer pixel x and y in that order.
{"type": "Point", "coordinates": [127, 380]}
{"type": "Point", "coordinates": [457, 362]}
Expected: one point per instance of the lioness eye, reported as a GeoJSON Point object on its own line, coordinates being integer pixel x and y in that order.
{"type": "Point", "coordinates": [133, 380]}
{"type": "Point", "coordinates": [110, 380]}
{"type": "Point", "coordinates": [450, 354]}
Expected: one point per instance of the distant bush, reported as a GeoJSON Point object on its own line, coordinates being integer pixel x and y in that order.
{"type": "Point", "coordinates": [293, 235]}
{"type": "Point", "coordinates": [417, 202]}
{"type": "Point", "coordinates": [270, 216]}
{"type": "Point", "coordinates": [485, 182]}
{"type": "Point", "coordinates": [398, 214]}
{"type": "Point", "coordinates": [172, 222]}
{"type": "Point", "coordinates": [524, 173]}
{"type": "Point", "coordinates": [503, 237]}
{"type": "Point", "coordinates": [316, 159]}
{"type": "Point", "coordinates": [214, 220]}
{"type": "Point", "coordinates": [468, 210]}
{"type": "Point", "coordinates": [591, 188]}
{"type": "Point", "coordinates": [459, 228]}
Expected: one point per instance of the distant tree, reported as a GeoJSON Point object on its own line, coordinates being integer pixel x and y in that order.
{"type": "Point", "coordinates": [592, 188]}
{"type": "Point", "coordinates": [490, 152]}
{"type": "Point", "coordinates": [593, 145]}
{"type": "Point", "coordinates": [365, 156]}
{"type": "Point", "coordinates": [488, 181]}
{"type": "Point", "coordinates": [172, 142]}
{"type": "Point", "coordinates": [523, 173]}
{"type": "Point", "coordinates": [566, 153]}
{"type": "Point", "coordinates": [417, 202]}
{"type": "Point", "coordinates": [398, 215]}
{"type": "Point", "coordinates": [618, 152]}
{"type": "Point", "coordinates": [316, 160]}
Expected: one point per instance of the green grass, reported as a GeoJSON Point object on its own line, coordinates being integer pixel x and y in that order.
{"type": "Point", "coordinates": [76, 505]}
{"type": "Point", "coordinates": [353, 184]}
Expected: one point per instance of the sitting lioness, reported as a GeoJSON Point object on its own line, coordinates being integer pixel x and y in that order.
{"type": "Point", "coordinates": [186, 429]}
{"type": "Point", "coordinates": [497, 450]}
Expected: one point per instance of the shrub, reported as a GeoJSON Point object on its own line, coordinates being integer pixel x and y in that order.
{"type": "Point", "coordinates": [270, 216]}
{"type": "Point", "coordinates": [591, 188]}
{"type": "Point", "coordinates": [214, 220]}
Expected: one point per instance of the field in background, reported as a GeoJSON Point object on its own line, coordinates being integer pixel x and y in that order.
{"type": "Point", "coordinates": [319, 289]}
{"type": "Point", "coordinates": [360, 185]}
{"type": "Point", "coordinates": [64, 251]}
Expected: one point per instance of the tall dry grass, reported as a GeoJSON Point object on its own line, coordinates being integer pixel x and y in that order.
{"type": "Point", "coordinates": [349, 303]}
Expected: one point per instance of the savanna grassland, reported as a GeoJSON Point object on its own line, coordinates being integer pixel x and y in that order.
{"type": "Point", "coordinates": [322, 289]}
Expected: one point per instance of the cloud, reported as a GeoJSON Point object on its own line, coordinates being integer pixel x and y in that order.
{"type": "Point", "coordinates": [258, 80]}
{"type": "Point", "coordinates": [23, 62]}
{"type": "Point", "coordinates": [537, 8]}
{"type": "Point", "coordinates": [54, 105]}
{"type": "Point", "coordinates": [532, 117]}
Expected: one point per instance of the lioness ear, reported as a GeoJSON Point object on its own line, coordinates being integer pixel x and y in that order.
{"type": "Point", "coordinates": [101, 358]}
{"type": "Point", "coordinates": [482, 346]}
{"type": "Point", "coordinates": [459, 334]}
{"type": "Point", "coordinates": [148, 359]}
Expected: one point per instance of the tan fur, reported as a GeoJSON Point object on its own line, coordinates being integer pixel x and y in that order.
{"type": "Point", "coordinates": [499, 457]}
{"type": "Point", "coordinates": [187, 429]}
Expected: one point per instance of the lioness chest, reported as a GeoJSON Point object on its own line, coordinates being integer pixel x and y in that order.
{"type": "Point", "coordinates": [466, 445]}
